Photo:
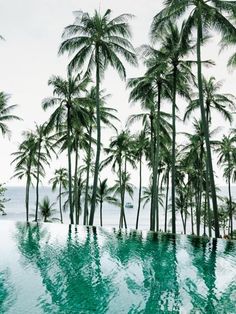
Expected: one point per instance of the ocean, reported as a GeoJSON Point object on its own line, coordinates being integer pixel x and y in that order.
{"type": "Point", "coordinates": [15, 209]}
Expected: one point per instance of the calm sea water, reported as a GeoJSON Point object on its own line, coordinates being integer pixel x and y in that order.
{"type": "Point", "coordinates": [15, 209]}
{"type": "Point", "coordinates": [56, 268]}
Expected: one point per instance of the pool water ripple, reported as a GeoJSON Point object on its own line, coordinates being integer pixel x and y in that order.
{"type": "Point", "coordinates": [47, 268]}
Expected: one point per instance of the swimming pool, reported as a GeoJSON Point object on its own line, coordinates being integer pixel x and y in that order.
{"type": "Point", "coordinates": [52, 268]}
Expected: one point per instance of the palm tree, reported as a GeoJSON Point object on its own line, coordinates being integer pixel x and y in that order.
{"type": "Point", "coordinates": [105, 194]}
{"type": "Point", "coordinates": [120, 153]}
{"type": "Point", "coordinates": [147, 196]}
{"type": "Point", "coordinates": [5, 113]}
{"type": "Point", "coordinates": [214, 101]}
{"type": "Point", "coordinates": [145, 90]}
{"type": "Point", "coordinates": [202, 15]}
{"type": "Point", "coordinates": [107, 116]}
{"type": "Point", "coordinates": [174, 47]}
{"type": "Point", "coordinates": [140, 148]}
{"type": "Point", "coordinates": [67, 98]}
{"type": "Point", "coordinates": [99, 40]}
{"type": "Point", "coordinates": [60, 179]}
{"type": "Point", "coordinates": [45, 143]}
{"type": "Point", "coordinates": [123, 185]}
{"type": "Point", "coordinates": [227, 158]}
{"type": "Point", "coordinates": [46, 208]}
{"type": "Point", "coordinates": [25, 159]}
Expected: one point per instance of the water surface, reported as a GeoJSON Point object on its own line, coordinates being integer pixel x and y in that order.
{"type": "Point", "coordinates": [51, 268]}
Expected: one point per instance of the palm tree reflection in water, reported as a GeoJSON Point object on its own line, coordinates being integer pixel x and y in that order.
{"type": "Point", "coordinates": [94, 269]}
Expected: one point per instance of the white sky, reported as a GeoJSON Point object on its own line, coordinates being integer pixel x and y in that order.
{"type": "Point", "coordinates": [28, 57]}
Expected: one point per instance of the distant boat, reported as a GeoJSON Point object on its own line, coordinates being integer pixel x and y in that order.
{"type": "Point", "coordinates": [129, 205]}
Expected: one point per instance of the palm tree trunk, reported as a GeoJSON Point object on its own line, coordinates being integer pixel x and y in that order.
{"type": "Point", "coordinates": [37, 182]}
{"type": "Point", "coordinates": [140, 189]}
{"type": "Point", "coordinates": [205, 214]}
{"type": "Point", "coordinates": [173, 158]}
{"type": "Point", "coordinates": [230, 201]}
{"type": "Point", "coordinates": [122, 188]}
{"type": "Point", "coordinates": [97, 161]}
{"type": "Point", "coordinates": [208, 202]}
{"type": "Point", "coordinates": [60, 205]}
{"type": "Point", "coordinates": [167, 196]}
{"type": "Point", "coordinates": [192, 224]}
{"type": "Point", "coordinates": [69, 164]}
{"type": "Point", "coordinates": [27, 194]}
{"type": "Point", "coordinates": [121, 198]}
{"type": "Point", "coordinates": [156, 195]}
{"type": "Point", "coordinates": [205, 124]}
{"type": "Point", "coordinates": [85, 222]}
{"type": "Point", "coordinates": [157, 202]}
{"type": "Point", "coordinates": [76, 203]}
{"type": "Point", "coordinates": [101, 213]}
{"type": "Point", "coordinates": [152, 209]}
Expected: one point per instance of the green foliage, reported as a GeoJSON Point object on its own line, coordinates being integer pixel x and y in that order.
{"type": "Point", "coordinates": [46, 208]}
{"type": "Point", "coordinates": [3, 200]}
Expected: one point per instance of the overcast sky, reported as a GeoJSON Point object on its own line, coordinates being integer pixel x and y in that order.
{"type": "Point", "coordinates": [28, 57]}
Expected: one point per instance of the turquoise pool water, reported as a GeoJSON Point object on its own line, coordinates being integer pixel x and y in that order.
{"type": "Point", "coordinates": [57, 269]}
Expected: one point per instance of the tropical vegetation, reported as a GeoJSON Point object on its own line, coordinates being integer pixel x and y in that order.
{"type": "Point", "coordinates": [173, 92]}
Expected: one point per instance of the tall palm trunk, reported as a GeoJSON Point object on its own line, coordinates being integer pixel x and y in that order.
{"type": "Point", "coordinates": [156, 195]}
{"type": "Point", "coordinates": [122, 197]}
{"type": "Point", "coordinates": [205, 124]}
{"type": "Point", "coordinates": [152, 209]}
{"type": "Point", "coordinates": [205, 215]}
{"type": "Point", "coordinates": [60, 203]}
{"type": "Point", "coordinates": [101, 202]}
{"type": "Point", "coordinates": [173, 157]}
{"type": "Point", "coordinates": [69, 162]}
{"type": "Point", "coordinates": [140, 189]}
{"type": "Point", "coordinates": [122, 188]}
{"type": "Point", "coordinates": [200, 188]}
{"type": "Point", "coordinates": [27, 193]}
{"type": "Point", "coordinates": [167, 196]}
{"type": "Point", "coordinates": [207, 177]}
{"type": "Point", "coordinates": [37, 181]}
{"type": "Point", "coordinates": [76, 202]}
{"type": "Point", "coordinates": [85, 222]}
{"type": "Point", "coordinates": [230, 200]}
{"type": "Point", "coordinates": [97, 161]}
{"type": "Point", "coordinates": [157, 207]}
{"type": "Point", "coordinates": [192, 224]}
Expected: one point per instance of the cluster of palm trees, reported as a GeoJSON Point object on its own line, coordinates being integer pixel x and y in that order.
{"type": "Point", "coordinates": [181, 176]}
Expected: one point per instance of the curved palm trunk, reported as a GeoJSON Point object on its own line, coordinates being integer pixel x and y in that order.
{"type": "Point", "coordinates": [173, 158]}
{"type": "Point", "coordinates": [60, 203]}
{"type": "Point", "coordinates": [205, 124]}
{"type": "Point", "coordinates": [85, 222]}
{"type": "Point", "coordinates": [183, 218]}
{"type": "Point", "coordinates": [97, 161]}
{"type": "Point", "coordinates": [69, 164]}
{"type": "Point", "coordinates": [167, 196]}
{"type": "Point", "coordinates": [140, 190]}
{"type": "Point", "coordinates": [76, 201]}
{"type": "Point", "coordinates": [37, 182]}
